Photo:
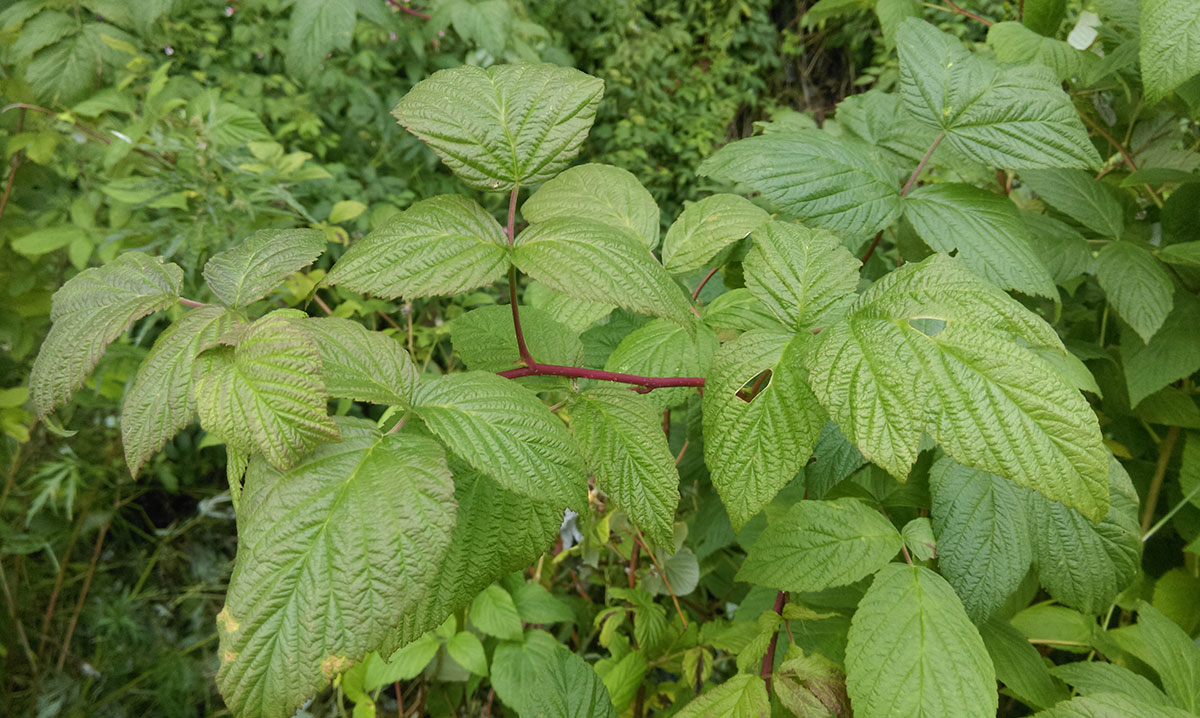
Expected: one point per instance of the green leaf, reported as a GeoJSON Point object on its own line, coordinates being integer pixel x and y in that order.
{"type": "Point", "coordinates": [919, 539]}
{"type": "Point", "coordinates": [494, 613]}
{"type": "Point", "coordinates": [361, 364]}
{"type": "Point", "coordinates": [1044, 16]}
{"type": "Point", "coordinates": [1014, 117]}
{"type": "Point", "coordinates": [331, 555]}
{"type": "Point", "coordinates": [537, 605]}
{"type": "Point", "coordinates": [160, 401]}
{"type": "Point", "coordinates": [1173, 353]}
{"type": "Point", "coordinates": [1175, 591]}
{"type": "Point", "coordinates": [1019, 666]}
{"type": "Point", "coordinates": [440, 246]}
{"type": "Point", "coordinates": [985, 229]}
{"type": "Point", "coordinates": [1185, 254]}
{"type": "Point", "coordinates": [984, 548]}
{"type": "Point", "coordinates": [317, 28]}
{"type": "Point", "coordinates": [1016, 43]}
{"type": "Point", "coordinates": [346, 210]}
{"type": "Point", "coordinates": [754, 448]}
{"type": "Point", "coordinates": [89, 312]}
{"type": "Point", "coordinates": [624, 678]}
{"type": "Point", "coordinates": [404, 664]}
{"type": "Point", "coordinates": [1084, 564]}
{"type": "Point", "coordinates": [1172, 654]}
{"type": "Point", "coordinates": [1170, 45]}
{"type": "Point", "coordinates": [743, 696]}
{"type": "Point", "coordinates": [836, 182]}
{"type": "Point", "coordinates": [257, 266]}
{"type": "Point", "coordinates": [1092, 677]}
{"type": "Point", "coordinates": [805, 277]}
{"type": "Point", "coordinates": [621, 437]}
{"type": "Point", "coordinates": [44, 241]}
{"type": "Point", "coordinates": [498, 531]}
{"type": "Point", "coordinates": [466, 648]}
{"type": "Point", "coordinates": [598, 263]}
{"type": "Point", "coordinates": [1078, 195]}
{"type": "Point", "coordinates": [912, 651]}
{"type": "Point", "coordinates": [662, 348]}
{"type": "Point", "coordinates": [603, 193]}
{"type": "Point", "coordinates": [504, 431]}
{"type": "Point", "coordinates": [1137, 286]}
{"type": "Point", "coordinates": [931, 348]}
{"type": "Point", "coordinates": [503, 126]}
{"type": "Point", "coordinates": [541, 678]}
{"type": "Point", "coordinates": [834, 460]}
{"type": "Point", "coordinates": [577, 314]}
{"type": "Point", "coordinates": [1063, 251]}
{"type": "Point", "coordinates": [740, 310]}
{"type": "Point", "coordinates": [486, 340]}
{"type": "Point", "coordinates": [821, 544]}
{"type": "Point", "coordinates": [706, 227]}
{"type": "Point", "coordinates": [265, 392]}
{"type": "Point", "coordinates": [66, 71]}
{"type": "Point", "coordinates": [1110, 705]}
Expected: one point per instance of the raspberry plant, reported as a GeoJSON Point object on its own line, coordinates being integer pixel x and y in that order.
{"type": "Point", "coordinates": [955, 462]}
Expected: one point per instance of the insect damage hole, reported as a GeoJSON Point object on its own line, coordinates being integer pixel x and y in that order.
{"type": "Point", "coordinates": [756, 386]}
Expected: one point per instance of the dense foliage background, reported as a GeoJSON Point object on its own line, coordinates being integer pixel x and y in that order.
{"type": "Point", "coordinates": [181, 128]}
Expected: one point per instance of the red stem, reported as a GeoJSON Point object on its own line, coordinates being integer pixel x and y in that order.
{"type": "Point", "coordinates": [768, 662]}
{"type": "Point", "coordinates": [696, 294]}
{"type": "Point", "coordinates": [642, 384]}
{"type": "Point", "coordinates": [406, 9]}
{"type": "Point", "coordinates": [921, 165]}
{"type": "Point", "coordinates": [871, 249]}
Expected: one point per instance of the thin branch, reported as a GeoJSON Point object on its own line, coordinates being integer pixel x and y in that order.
{"type": "Point", "coordinates": [663, 573]}
{"type": "Point", "coordinates": [1126, 155]}
{"type": "Point", "coordinates": [921, 165]}
{"type": "Point", "coordinates": [642, 384]}
{"type": "Point", "coordinates": [768, 661]}
{"type": "Point", "coordinates": [87, 584]}
{"type": "Point", "coordinates": [406, 9]}
{"type": "Point", "coordinates": [522, 347]}
{"type": "Point", "coordinates": [871, 249]}
{"type": "Point", "coordinates": [696, 293]}
{"type": "Point", "coordinates": [1160, 471]}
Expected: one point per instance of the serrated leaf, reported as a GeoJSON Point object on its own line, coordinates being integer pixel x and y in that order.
{"type": "Point", "coordinates": [1172, 654]}
{"type": "Point", "coordinates": [1063, 251]}
{"type": "Point", "coordinates": [662, 348]}
{"type": "Point", "coordinates": [1084, 564]}
{"type": "Point", "coordinates": [740, 310]}
{"type": "Point", "coordinates": [1173, 353]}
{"type": "Point", "coordinates": [834, 460]}
{"type": "Point", "coordinates": [361, 364]}
{"type": "Point", "coordinates": [706, 227]}
{"type": "Point", "coordinates": [265, 393]}
{"type": "Point", "coordinates": [66, 71]}
{"type": "Point", "coordinates": [504, 431]}
{"type": "Point", "coordinates": [486, 340]}
{"type": "Point", "coordinates": [624, 678]}
{"type": "Point", "coordinates": [494, 613]}
{"type": "Point", "coordinates": [984, 548]}
{"type": "Point", "coordinates": [621, 437]}
{"type": "Point", "coordinates": [880, 118]}
{"type": "Point", "coordinates": [985, 229]}
{"type": "Point", "coordinates": [498, 531]}
{"type": "Point", "coordinates": [440, 246]}
{"type": "Point", "coordinates": [331, 555]}
{"type": "Point", "coordinates": [317, 28]}
{"type": "Point", "coordinates": [805, 277]}
{"type": "Point", "coordinates": [598, 263]}
{"type": "Point", "coordinates": [931, 348]}
{"type": "Point", "coordinates": [599, 192]}
{"type": "Point", "coordinates": [912, 651]}
{"type": "Point", "coordinates": [577, 314]}
{"type": "Point", "coordinates": [89, 312]}
{"type": "Point", "coordinates": [753, 449]}
{"type": "Point", "coordinates": [257, 266]}
{"type": "Point", "coordinates": [1016, 43]}
{"type": "Point", "coordinates": [1078, 195]}
{"type": "Point", "coordinates": [541, 678]}
{"type": "Point", "coordinates": [466, 648]}
{"type": "Point", "coordinates": [836, 182]}
{"type": "Point", "coordinates": [160, 401]}
{"type": "Point", "coordinates": [1019, 666]}
{"type": "Point", "coordinates": [1170, 45]}
{"type": "Point", "coordinates": [743, 696]}
{"type": "Point", "coordinates": [819, 545]}
{"type": "Point", "coordinates": [503, 126]}
{"type": "Point", "coordinates": [1110, 705]}
{"type": "Point", "coordinates": [538, 605]}
{"type": "Point", "coordinates": [1014, 117]}
{"type": "Point", "coordinates": [1136, 285]}
{"type": "Point", "coordinates": [1185, 254]}
{"type": "Point", "coordinates": [1092, 677]}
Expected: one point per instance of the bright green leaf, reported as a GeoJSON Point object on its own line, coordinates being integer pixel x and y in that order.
{"type": "Point", "coordinates": [317, 28]}
{"type": "Point", "coordinates": [805, 277]}
{"type": "Point", "coordinates": [1137, 285]}
{"type": "Point", "coordinates": [1185, 254]}
{"type": "Point", "coordinates": [1170, 45]}
{"type": "Point", "coordinates": [603, 193]}
{"type": "Point", "coordinates": [1172, 654]}
{"type": "Point", "coordinates": [468, 651]}
{"type": "Point", "coordinates": [361, 364]}
{"type": "Point", "coordinates": [494, 613]}
{"type": "Point", "coordinates": [1019, 666]}
{"type": "Point", "coordinates": [706, 227]}
{"type": "Point", "coordinates": [743, 696]}
{"type": "Point", "coordinates": [257, 266]}
{"type": "Point", "coordinates": [1110, 705]}
{"type": "Point", "coordinates": [346, 210]}
{"type": "Point", "coordinates": [1078, 195]}
{"type": "Point", "coordinates": [1173, 353]}
{"type": "Point", "coordinates": [486, 340]}
{"type": "Point", "coordinates": [662, 348]}
{"type": "Point", "coordinates": [541, 678]}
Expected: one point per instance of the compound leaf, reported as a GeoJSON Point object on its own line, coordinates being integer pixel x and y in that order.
{"type": "Point", "coordinates": [89, 312]}
{"type": "Point", "coordinates": [443, 245]}
{"type": "Point", "coordinates": [503, 430]}
{"type": "Point", "coordinates": [600, 192]}
{"type": "Point", "coordinates": [620, 435]}
{"type": "Point", "coordinates": [503, 126]}
{"type": "Point", "coordinates": [912, 652]}
{"type": "Point", "coordinates": [706, 227]}
{"type": "Point", "coordinates": [932, 348]}
{"type": "Point", "coordinates": [160, 400]}
{"type": "Point", "coordinates": [265, 392]}
{"type": "Point", "coordinates": [596, 262]}
{"type": "Point", "coordinates": [804, 276]}
{"type": "Point", "coordinates": [331, 555]}
{"type": "Point", "coordinates": [821, 544]}
{"type": "Point", "coordinates": [251, 270]}
{"type": "Point", "coordinates": [754, 445]}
